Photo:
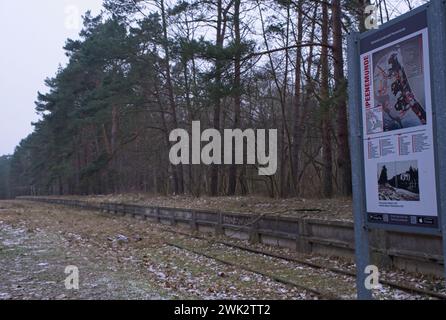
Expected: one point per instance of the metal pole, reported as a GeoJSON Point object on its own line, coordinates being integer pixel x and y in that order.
{"type": "Point", "coordinates": [362, 252]}
{"type": "Point", "coordinates": [437, 46]}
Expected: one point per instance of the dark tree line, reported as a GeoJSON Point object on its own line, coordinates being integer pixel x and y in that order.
{"type": "Point", "coordinates": [5, 164]}
{"type": "Point", "coordinates": [144, 68]}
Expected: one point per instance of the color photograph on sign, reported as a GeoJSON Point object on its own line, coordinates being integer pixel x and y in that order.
{"type": "Point", "coordinates": [398, 132]}
{"type": "Point", "coordinates": [398, 82]}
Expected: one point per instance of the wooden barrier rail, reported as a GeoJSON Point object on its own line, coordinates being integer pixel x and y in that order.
{"type": "Point", "coordinates": [412, 252]}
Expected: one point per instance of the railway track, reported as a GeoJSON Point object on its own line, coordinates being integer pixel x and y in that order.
{"type": "Point", "coordinates": [393, 285]}
{"type": "Point", "coordinates": [279, 279]}
{"type": "Point", "coordinates": [344, 272]}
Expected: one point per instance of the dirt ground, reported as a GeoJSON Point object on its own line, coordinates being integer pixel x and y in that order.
{"type": "Point", "coordinates": [334, 209]}
{"type": "Point", "coordinates": [117, 257]}
{"type": "Point", "coordinates": [121, 257]}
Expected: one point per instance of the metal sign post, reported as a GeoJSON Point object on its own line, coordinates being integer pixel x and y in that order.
{"type": "Point", "coordinates": [437, 23]}
{"type": "Point", "coordinates": [362, 253]}
{"type": "Point", "coordinates": [397, 107]}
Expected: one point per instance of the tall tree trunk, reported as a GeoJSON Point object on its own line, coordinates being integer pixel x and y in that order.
{"type": "Point", "coordinates": [179, 185]}
{"type": "Point", "coordinates": [237, 95]}
{"type": "Point", "coordinates": [326, 121]}
{"type": "Point", "coordinates": [174, 181]}
{"type": "Point", "coordinates": [343, 155]}
{"type": "Point", "coordinates": [191, 118]}
{"type": "Point", "coordinates": [288, 168]}
{"type": "Point", "coordinates": [113, 147]}
{"type": "Point", "coordinates": [297, 103]}
{"type": "Point", "coordinates": [217, 98]}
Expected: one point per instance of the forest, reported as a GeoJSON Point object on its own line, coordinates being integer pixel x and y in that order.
{"type": "Point", "coordinates": [143, 68]}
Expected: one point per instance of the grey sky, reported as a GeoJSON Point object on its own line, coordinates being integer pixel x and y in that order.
{"type": "Point", "coordinates": [32, 34]}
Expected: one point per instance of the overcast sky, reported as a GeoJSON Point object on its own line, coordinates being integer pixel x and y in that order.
{"type": "Point", "coordinates": [32, 34]}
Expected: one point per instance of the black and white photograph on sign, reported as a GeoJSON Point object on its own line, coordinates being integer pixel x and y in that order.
{"type": "Point", "coordinates": [399, 89]}
{"type": "Point", "coordinates": [398, 181]}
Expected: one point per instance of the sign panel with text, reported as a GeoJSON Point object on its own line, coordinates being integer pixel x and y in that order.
{"type": "Point", "coordinates": [398, 135]}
